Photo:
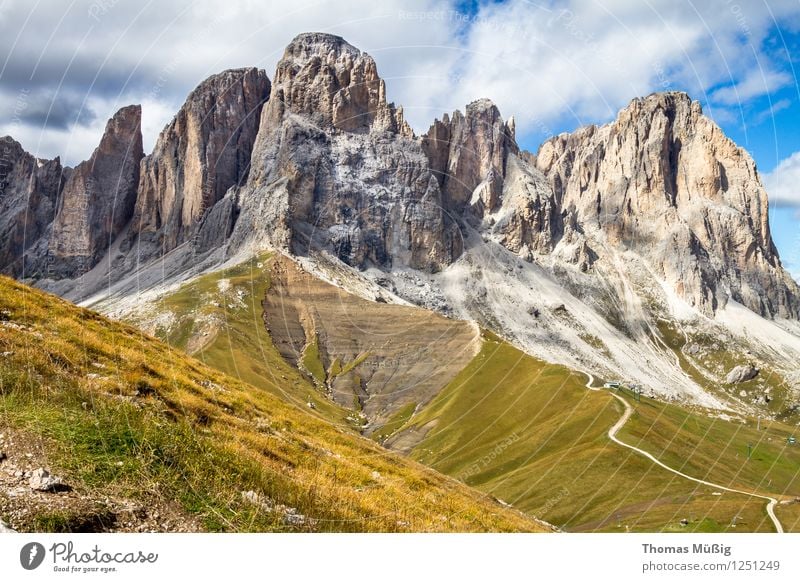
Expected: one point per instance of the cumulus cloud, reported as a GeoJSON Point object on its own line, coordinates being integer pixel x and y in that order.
{"type": "Point", "coordinates": [783, 183]}
{"type": "Point", "coordinates": [756, 83]}
{"type": "Point", "coordinates": [112, 53]}
{"type": "Point", "coordinates": [576, 62]}
{"type": "Point", "coordinates": [551, 64]}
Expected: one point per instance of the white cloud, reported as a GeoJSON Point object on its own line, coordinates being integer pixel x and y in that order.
{"type": "Point", "coordinates": [581, 61]}
{"type": "Point", "coordinates": [551, 64]}
{"type": "Point", "coordinates": [783, 183]}
{"type": "Point", "coordinates": [755, 84]}
{"type": "Point", "coordinates": [155, 53]}
{"type": "Point", "coordinates": [771, 111]}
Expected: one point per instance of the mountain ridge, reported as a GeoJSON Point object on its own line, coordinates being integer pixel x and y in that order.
{"type": "Point", "coordinates": [656, 214]}
{"type": "Point", "coordinates": [205, 152]}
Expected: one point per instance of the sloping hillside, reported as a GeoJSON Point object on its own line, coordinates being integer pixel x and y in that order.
{"type": "Point", "coordinates": [507, 423]}
{"type": "Point", "coordinates": [378, 358]}
{"type": "Point", "coordinates": [531, 434]}
{"type": "Point", "coordinates": [124, 421]}
{"type": "Point", "coordinates": [270, 323]}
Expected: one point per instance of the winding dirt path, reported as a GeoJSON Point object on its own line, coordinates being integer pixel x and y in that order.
{"type": "Point", "coordinates": [612, 434]}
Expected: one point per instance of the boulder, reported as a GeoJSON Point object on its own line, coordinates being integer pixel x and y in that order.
{"type": "Point", "coordinates": [741, 374]}
{"type": "Point", "coordinates": [42, 480]}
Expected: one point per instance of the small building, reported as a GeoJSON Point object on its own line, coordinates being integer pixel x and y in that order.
{"type": "Point", "coordinates": [613, 384]}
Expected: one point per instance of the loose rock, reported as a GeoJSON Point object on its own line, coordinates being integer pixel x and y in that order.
{"type": "Point", "coordinates": [741, 374]}
{"type": "Point", "coordinates": [42, 480]}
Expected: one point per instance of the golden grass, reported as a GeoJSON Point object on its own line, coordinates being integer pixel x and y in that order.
{"type": "Point", "coordinates": [99, 392]}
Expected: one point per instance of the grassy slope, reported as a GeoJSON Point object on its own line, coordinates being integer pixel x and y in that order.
{"type": "Point", "coordinates": [531, 434]}
{"type": "Point", "coordinates": [719, 358]}
{"type": "Point", "coordinates": [716, 449]}
{"type": "Point", "coordinates": [241, 347]}
{"type": "Point", "coordinates": [123, 414]}
{"type": "Point", "coordinates": [789, 515]}
{"type": "Point", "coordinates": [545, 448]}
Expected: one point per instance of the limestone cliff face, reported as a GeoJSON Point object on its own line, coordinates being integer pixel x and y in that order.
{"type": "Point", "coordinates": [202, 153]}
{"type": "Point", "coordinates": [29, 189]}
{"type": "Point", "coordinates": [332, 83]}
{"type": "Point", "coordinates": [321, 159]}
{"type": "Point", "coordinates": [469, 151]}
{"type": "Point", "coordinates": [335, 166]}
{"type": "Point", "coordinates": [484, 176]}
{"type": "Point", "coordinates": [98, 198]}
{"type": "Point", "coordinates": [527, 219]}
{"type": "Point", "coordinates": [664, 181]}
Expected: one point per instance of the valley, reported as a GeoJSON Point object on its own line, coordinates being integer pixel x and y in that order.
{"type": "Point", "coordinates": [522, 430]}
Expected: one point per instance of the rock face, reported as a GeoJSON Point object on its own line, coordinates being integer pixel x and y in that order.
{"type": "Point", "coordinates": [741, 374]}
{"type": "Point", "coordinates": [664, 181]}
{"type": "Point", "coordinates": [484, 176]}
{"type": "Point", "coordinates": [29, 189]}
{"type": "Point", "coordinates": [335, 166]}
{"type": "Point", "coordinates": [321, 159]}
{"type": "Point", "coordinates": [202, 153]}
{"type": "Point", "coordinates": [332, 83]}
{"type": "Point", "coordinates": [98, 198]}
{"type": "Point", "coordinates": [468, 152]}
{"type": "Point", "coordinates": [527, 218]}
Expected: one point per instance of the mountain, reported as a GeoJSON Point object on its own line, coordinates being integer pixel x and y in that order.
{"type": "Point", "coordinates": [472, 406]}
{"type": "Point", "coordinates": [594, 238]}
{"type": "Point", "coordinates": [29, 191]}
{"type": "Point", "coordinates": [335, 165]}
{"type": "Point", "coordinates": [664, 181]}
{"type": "Point", "coordinates": [97, 200]}
{"type": "Point", "coordinates": [198, 157]}
{"type": "Point", "coordinates": [386, 265]}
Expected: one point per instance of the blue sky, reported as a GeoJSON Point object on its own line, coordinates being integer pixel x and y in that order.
{"type": "Point", "coordinates": [553, 64]}
{"type": "Point", "coordinates": [772, 134]}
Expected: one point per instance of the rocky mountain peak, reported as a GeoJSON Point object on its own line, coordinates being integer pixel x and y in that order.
{"type": "Point", "coordinates": [325, 78]}
{"type": "Point", "coordinates": [202, 153]}
{"type": "Point", "coordinates": [29, 189]}
{"type": "Point", "coordinates": [676, 105]}
{"type": "Point", "coordinates": [320, 157]}
{"type": "Point", "coordinates": [98, 198]}
{"type": "Point", "coordinates": [13, 150]}
{"type": "Point", "coordinates": [664, 181]}
{"type": "Point", "coordinates": [307, 44]}
{"type": "Point", "coordinates": [482, 106]}
{"type": "Point", "coordinates": [123, 130]}
{"type": "Point", "coordinates": [468, 151]}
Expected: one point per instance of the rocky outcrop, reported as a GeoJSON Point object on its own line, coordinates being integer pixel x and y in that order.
{"type": "Point", "coordinates": [484, 176]}
{"type": "Point", "coordinates": [29, 189]}
{"type": "Point", "coordinates": [321, 160]}
{"type": "Point", "coordinates": [202, 153]}
{"type": "Point", "coordinates": [664, 181]}
{"type": "Point", "coordinates": [42, 480]}
{"type": "Point", "coordinates": [741, 374]}
{"type": "Point", "coordinates": [527, 218]}
{"type": "Point", "coordinates": [98, 198]}
{"type": "Point", "coordinates": [336, 167]}
{"type": "Point", "coordinates": [468, 152]}
{"type": "Point", "coordinates": [330, 82]}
